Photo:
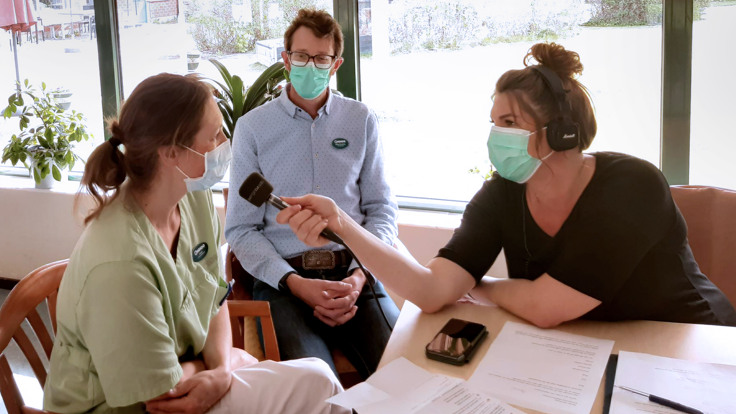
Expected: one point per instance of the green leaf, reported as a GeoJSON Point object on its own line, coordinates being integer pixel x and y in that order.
{"type": "Point", "coordinates": [224, 73]}
{"type": "Point", "coordinates": [238, 92]}
{"type": "Point", "coordinates": [36, 176]}
{"type": "Point", "coordinates": [56, 173]}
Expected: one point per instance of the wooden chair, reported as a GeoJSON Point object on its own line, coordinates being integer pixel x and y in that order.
{"type": "Point", "coordinates": [710, 214]}
{"type": "Point", "coordinates": [42, 285]}
{"type": "Point", "coordinates": [243, 310]}
{"type": "Point", "coordinates": [243, 291]}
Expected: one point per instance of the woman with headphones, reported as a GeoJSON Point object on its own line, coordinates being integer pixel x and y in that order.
{"type": "Point", "coordinates": [593, 236]}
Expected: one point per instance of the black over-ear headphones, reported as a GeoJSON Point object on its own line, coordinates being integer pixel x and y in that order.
{"type": "Point", "coordinates": [562, 132]}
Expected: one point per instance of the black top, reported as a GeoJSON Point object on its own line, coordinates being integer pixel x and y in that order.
{"type": "Point", "coordinates": [624, 243]}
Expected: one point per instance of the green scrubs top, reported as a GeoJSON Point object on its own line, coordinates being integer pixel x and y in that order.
{"type": "Point", "coordinates": [127, 311]}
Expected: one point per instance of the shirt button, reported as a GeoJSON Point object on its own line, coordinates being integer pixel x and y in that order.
{"type": "Point", "coordinates": [318, 187]}
{"type": "Point", "coordinates": [316, 155]}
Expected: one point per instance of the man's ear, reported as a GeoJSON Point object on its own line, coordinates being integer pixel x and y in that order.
{"type": "Point", "coordinates": [285, 58]}
{"type": "Point", "coordinates": [337, 64]}
{"type": "Point", "coordinates": [168, 155]}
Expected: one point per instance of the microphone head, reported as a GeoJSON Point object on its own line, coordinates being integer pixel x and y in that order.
{"type": "Point", "coordinates": [255, 189]}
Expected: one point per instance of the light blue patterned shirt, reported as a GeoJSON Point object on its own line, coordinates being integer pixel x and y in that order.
{"type": "Point", "coordinates": [300, 155]}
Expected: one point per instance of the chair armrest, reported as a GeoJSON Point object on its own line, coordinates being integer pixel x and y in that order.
{"type": "Point", "coordinates": [239, 309]}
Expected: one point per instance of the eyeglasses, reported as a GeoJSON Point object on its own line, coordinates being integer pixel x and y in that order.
{"type": "Point", "coordinates": [301, 59]}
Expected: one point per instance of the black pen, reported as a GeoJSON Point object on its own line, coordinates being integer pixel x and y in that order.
{"type": "Point", "coordinates": [664, 401]}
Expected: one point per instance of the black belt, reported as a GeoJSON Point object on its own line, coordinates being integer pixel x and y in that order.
{"type": "Point", "coordinates": [321, 260]}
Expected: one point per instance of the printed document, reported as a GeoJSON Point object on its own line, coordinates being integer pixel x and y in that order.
{"type": "Point", "coordinates": [541, 369]}
{"type": "Point", "coordinates": [709, 388]}
{"type": "Point", "coordinates": [402, 387]}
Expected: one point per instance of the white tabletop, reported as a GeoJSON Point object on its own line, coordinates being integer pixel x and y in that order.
{"type": "Point", "coordinates": [703, 343]}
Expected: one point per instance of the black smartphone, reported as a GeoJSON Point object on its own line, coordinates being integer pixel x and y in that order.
{"type": "Point", "coordinates": [456, 341]}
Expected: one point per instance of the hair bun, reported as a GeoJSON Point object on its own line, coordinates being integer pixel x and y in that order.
{"type": "Point", "coordinates": [565, 63]}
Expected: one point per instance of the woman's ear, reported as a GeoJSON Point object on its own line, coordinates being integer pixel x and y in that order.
{"type": "Point", "coordinates": [168, 155]}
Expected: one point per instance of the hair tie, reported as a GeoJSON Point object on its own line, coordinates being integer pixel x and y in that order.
{"type": "Point", "coordinates": [114, 142]}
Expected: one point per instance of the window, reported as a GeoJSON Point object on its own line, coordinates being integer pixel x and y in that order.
{"type": "Point", "coordinates": [246, 36]}
{"type": "Point", "coordinates": [713, 143]}
{"type": "Point", "coordinates": [61, 51]}
{"type": "Point", "coordinates": [429, 69]}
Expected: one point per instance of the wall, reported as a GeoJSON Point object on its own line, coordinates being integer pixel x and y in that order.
{"type": "Point", "coordinates": [41, 226]}
{"type": "Point", "coordinates": [163, 9]}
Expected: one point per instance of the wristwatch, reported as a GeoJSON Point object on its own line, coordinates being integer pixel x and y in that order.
{"type": "Point", "coordinates": [283, 287]}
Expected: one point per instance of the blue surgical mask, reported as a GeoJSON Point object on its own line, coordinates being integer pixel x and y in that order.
{"type": "Point", "coordinates": [216, 163]}
{"type": "Point", "coordinates": [507, 149]}
{"type": "Point", "coordinates": [309, 81]}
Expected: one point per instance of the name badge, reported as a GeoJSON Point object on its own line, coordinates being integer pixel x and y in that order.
{"type": "Point", "coordinates": [340, 143]}
{"type": "Point", "coordinates": [199, 252]}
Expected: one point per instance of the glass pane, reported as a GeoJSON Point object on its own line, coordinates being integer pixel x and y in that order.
{"type": "Point", "coordinates": [246, 36]}
{"type": "Point", "coordinates": [712, 143]}
{"type": "Point", "coordinates": [428, 69]}
{"type": "Point", "coordinates": [60, 50]}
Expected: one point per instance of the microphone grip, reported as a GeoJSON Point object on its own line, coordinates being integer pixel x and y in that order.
{"type": "Point", "coordinates": [277, 202]}
{"type": "Point", "coordinates": [326, 233]}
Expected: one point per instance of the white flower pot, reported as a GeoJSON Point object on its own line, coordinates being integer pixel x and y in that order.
{"type": "Point", "coordinates": [47, 182]}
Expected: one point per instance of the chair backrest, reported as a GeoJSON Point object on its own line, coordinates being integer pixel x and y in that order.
{"type": "Point", "coordinates": [710, 214]}
{"type": "Point", "coordinates": [41, 285]}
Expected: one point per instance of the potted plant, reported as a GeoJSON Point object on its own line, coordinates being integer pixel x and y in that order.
{"type": "Point", "coordinates": [63, 97]}
{"type": "Point", "coordinates": [235, 100]}
{"type": "Point", "coordinates": [193, 60]}
{"type": "Point", "coordinates": [47, 134]}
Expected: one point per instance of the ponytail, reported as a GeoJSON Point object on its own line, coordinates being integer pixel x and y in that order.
{"type": "Point", "coordinates": [104, 171]}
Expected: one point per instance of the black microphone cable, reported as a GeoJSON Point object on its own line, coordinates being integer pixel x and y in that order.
{"type": "Point", "coordinates": [370, 280]}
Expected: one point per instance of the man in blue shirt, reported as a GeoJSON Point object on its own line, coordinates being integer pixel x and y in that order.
{"type": "Point", "coordinates": [311, 140]}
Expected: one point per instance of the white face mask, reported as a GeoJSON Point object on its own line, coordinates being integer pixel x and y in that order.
{"type": "Point", "coordinates": [216, 163]}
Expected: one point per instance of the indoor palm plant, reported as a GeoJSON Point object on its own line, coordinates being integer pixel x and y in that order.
{"type": "Point", "coordinates": [47, 134]}
{"type": "Point", "coordinates": [235, 99]}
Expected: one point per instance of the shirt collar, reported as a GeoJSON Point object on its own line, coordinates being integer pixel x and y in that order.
{"type": "Point", "coordinates": [293, 110]}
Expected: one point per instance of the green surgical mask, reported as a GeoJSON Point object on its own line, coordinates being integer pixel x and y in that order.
{"type": "Point", "coordinates": [309, 81]}
{"type": "Point", "coordinates": [507, 149]}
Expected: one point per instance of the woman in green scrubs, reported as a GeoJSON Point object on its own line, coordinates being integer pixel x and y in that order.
{"type": "Point", "coordinates": [140, 322]}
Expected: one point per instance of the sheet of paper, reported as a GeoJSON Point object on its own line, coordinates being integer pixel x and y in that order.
{"type": "Point", "coordinates": [543, 369]}
{"type": "Point", "coordinates": [709, 388]}
{"type": "Point", "coordinates": [402, 387]}
{"type": "Point", "coordinates": [461, 399]}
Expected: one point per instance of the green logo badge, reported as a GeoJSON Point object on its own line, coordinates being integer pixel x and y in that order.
{"type": "Point", "coordinates": [199, 252]}
{"type": "Point", "coordinates": [340, 143]}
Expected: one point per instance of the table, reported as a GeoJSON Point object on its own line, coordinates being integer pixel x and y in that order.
{"type": "Point", "coordinates": [64, 22]}
{"type": "Point", "coordinates": [703, 343]}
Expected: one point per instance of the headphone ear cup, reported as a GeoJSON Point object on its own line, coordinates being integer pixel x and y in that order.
{"type": "Point", "coordinates": [562, 134]}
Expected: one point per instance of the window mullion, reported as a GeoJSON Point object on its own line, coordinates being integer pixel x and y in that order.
{"type": "Point", "coordinates": [677, 46]}
{"type": "Point", "coordinates": [108, 52]}
{"type": "Point", "coordinates": [348, 77]}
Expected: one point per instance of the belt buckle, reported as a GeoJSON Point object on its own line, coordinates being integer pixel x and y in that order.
{"type": "Point", "coordinates": [318, 260]}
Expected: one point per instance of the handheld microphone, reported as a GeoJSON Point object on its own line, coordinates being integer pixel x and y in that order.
{"type": "Point", "coordinates": [257, 190]}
